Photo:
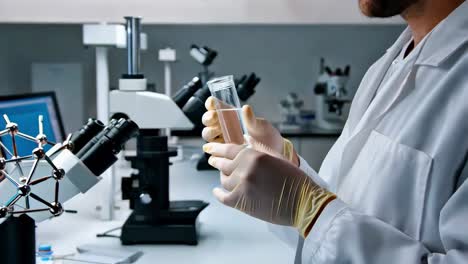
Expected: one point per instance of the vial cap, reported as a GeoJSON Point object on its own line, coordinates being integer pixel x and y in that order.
{"type": "Point", "coordinates": [45, 248]}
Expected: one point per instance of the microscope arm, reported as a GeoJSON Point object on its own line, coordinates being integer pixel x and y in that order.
{"type": "Point", "coordinates": [150, 110]}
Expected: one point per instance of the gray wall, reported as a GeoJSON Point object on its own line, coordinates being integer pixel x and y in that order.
{"type": "Point", "coordinates": [286, 57]}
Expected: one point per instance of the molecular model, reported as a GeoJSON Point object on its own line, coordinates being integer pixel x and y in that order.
{"type": "Point", "coordinates": [24, 183]}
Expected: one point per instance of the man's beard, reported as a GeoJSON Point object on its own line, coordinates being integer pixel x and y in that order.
{"type": "Point", "coordinates": [384, 8]}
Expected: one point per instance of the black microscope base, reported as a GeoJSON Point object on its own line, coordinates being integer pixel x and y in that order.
{"type": "Point", "coordinates": [174, 226]}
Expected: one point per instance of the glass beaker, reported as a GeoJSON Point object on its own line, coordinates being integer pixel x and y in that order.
{"type": "Point", "coordinates": [229, 109]}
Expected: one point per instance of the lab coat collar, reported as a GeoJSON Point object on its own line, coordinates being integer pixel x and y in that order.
{"type": "Point", "coordinates": [435, 50]}
{"type": "Point", "coordinates": [402, 40]}
{"type": "Point", "coordinates": [446, 38]}
{"type": "Point", "coordinates": [375, 76]}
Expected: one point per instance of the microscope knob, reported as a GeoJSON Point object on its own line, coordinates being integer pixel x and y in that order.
{"type": "Point", "coordinates": [145, 198]}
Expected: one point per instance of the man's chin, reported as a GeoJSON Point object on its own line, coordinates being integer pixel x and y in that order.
{"type": "Point", "coordinates": [379, 15]}
{"type": "Point", "coordinates": [371, 8]}
{"type": "Point", "coordinates": [365, 7]}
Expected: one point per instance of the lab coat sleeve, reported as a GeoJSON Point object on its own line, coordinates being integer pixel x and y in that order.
{"type": "Point", "coordinates": [343, 235]}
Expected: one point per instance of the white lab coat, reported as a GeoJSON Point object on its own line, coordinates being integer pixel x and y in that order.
{"type": "Point", "coordinates": [400, 166]}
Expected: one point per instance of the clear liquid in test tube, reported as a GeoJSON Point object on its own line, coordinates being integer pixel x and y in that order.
{"type": "Point", "coordinates": [229, 110]}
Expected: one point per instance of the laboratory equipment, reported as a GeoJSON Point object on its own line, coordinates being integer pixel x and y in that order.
{"type": "Point", "coordinates": [205, 56]}
{"type": "Point", "coordinates": [246, 86]}
{"type": "Point", "coordinates": [154, 219]}
{"type": "Point", "coordinates": [45, 254]}
{"type": "Point", "coordinates": [85, 134]}
{"type": "Point", "coordinates": [229, 109]}
{"type": "Point", "coordinates": [194, 108]}
{"type": "Point", "coordinates": [90, 253]}
{"type": "Point", "coordinates": [191, 98]}
{"type": "Point", "coordinates": [290, 109]}
{"type": "Point", "coordinates": [331, 96]}
{"type": "Point", "coordinates": [104, 36]}
{"type": "Point", "coordinates": [167, 56]}
{"type": "Point", "coordinates": [132, 98]}
{"type": "Point", "coordinates": [24, 109]}
{"type": "Point", "coordinates": [52, 178]}
{"type": "Point", "coordinates": [187, 91]}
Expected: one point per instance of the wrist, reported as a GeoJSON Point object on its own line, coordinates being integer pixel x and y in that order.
{"type": "Point", "coordinates": [312, 223]}
{"type": "Point", "coordinates": [312, 200]}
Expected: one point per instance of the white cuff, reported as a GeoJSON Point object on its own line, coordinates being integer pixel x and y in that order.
{"type": "Point", "coordinates": [318, 232]}
{"type": "Point", "coordinates": [286, 234]}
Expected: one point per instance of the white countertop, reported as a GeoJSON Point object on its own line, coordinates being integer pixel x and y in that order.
{"type": "Point", "coordinates": [225, 235]}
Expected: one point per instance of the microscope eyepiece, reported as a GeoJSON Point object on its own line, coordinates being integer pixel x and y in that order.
{"type": "Point", "coordinates": [203, 55]}
{"type": "Point", "coordinates": [195, 107]}
{"type": "Point", "coordinates": [124, 130]}
{"type": "Point", "coordinates": [99, 153]}
{"type": "Point", "coordinates": [85, 134]}
{"type": "Point", "coordinates": [184, 94]}
{"type": "Point", "coordinates": [246, 86]}
{"type": "Point", "coordinates": [94, 139]}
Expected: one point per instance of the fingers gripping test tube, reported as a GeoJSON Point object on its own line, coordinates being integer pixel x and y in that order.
{"type": "Point", "coordinates": [229, 110]}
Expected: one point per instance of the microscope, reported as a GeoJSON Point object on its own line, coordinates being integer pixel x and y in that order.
{"type": "Point", "coordinates": [290, 109]}
{"type": "Point", "coordinates": [192, 96]}
{"type": "Point", "coordinates": [53, 177]}
{"type": "Point", "coordinates": [194, 108]}
{"type": "Point", "coordinates": [205, 56]}
{"type": "Point", "coordinates": [331, 96]}
{"type": "Point", "coordinates": [155, 219]}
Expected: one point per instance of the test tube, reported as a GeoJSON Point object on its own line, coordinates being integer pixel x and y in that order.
{"type": "Point", "coordinates": [229, 109]}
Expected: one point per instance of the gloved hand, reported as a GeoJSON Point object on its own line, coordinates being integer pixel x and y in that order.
{"type": "Point", "coordinates": [267, 187]}
{"type": "Point", "coordinates": [259, 129]}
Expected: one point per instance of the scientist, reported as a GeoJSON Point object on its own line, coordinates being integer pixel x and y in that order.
{"type": "Point", "coordinates": [393, 188]}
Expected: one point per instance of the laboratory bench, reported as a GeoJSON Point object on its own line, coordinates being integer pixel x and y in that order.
{"type": "Point", "coordinates": [225, 235]}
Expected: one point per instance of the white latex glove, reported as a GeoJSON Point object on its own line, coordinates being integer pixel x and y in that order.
{"type": "Point", "coordinates": [266, 187]}
{"type": "Point", "coordinates": [259, 129]}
